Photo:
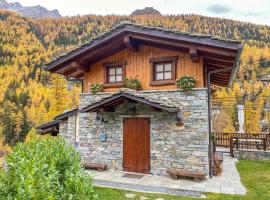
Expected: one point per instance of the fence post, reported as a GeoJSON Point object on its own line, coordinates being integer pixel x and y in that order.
{"type": "Point", "coordinates": [264, 143]}
{"type": "Point", "coordinates": [237, 142]}
{"type": "Point", "coordinates": [231, 147]}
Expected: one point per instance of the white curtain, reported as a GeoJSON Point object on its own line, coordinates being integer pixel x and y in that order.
{"type": "Point", "coordinates": [241, 118]}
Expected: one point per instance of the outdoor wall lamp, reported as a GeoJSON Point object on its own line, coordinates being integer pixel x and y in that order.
{"type": "Point", "coordinates": [180, 119]}
{"type": "Point", "coordinates": [179, 116]}
{"type": "Point", "coordinates": [97, 117]}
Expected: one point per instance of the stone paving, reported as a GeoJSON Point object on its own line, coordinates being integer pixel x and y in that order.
{"type": "Point", "coordinates": [228, 183]}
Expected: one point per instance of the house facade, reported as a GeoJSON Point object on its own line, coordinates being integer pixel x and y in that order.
{"type": "Point", "coordinates": [158, 126]}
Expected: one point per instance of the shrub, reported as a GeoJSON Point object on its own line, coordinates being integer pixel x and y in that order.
{"type": "Point", "coordinates": [186, 83]}
{"type": "Point", "coordinates": [45, 169]}
{"type": "Point", "coordinates": [33, 135]}
{"type": "Point", "coordinates": [96, 88]}
{"type": "Point", "coordinates": [132, 83]}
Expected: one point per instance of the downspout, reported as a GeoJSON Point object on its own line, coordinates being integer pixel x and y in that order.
{"type": "Point", "coordinates": [234, 69]}
{"type": "Point", "coordinates": [210, 147]}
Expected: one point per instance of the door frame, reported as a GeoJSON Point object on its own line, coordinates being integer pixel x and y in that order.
{"type": "Point", "coordinates": [137, 117]}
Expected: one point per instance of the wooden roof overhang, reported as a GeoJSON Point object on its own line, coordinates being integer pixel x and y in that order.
{"type": "Point", "coordinates": [50, 127]}
{"type": "Point", "coordinates": [110, 102]}
{"type": "Point", "coordinates": [67, 114]}
{"type": "Point", "coordinates": [53, 126]}
{"type": "Point", "coordinates": [216, 53]}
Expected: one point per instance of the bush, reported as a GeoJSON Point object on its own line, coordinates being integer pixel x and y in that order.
{"type": "Point", "coordinates": [186, 83]}
{"type": "Point", "coordinates": [45, 169]}
{"type": "Point", "coordinates": [32, 135]}
{"type": "Point", "coordinates": [132, 83]}
{"type": "Point", "coordinates": [96, 88]}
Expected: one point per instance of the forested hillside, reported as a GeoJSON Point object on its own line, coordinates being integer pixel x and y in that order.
{"type": "Point", "coordinates": [30, 96]}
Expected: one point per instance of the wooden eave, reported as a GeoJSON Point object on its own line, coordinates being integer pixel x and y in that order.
{"type": "Point", "coordinates": [50, 127]}
{"type": "Point", "coordinates": [214, 51]}
{"type": "Point", "coordinates": [53, 126]}
{"type": "Point", "coordinates": [67, 114]}
{"type": "Point", "coordinates": [117, 99]}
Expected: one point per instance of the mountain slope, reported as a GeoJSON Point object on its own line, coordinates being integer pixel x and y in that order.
{"type": "Point", "coordinates": [30, 11]}
{"type": "Point", "coordinates": [146, 11]}
{"type": "Point", "coordinates": [30, 96]}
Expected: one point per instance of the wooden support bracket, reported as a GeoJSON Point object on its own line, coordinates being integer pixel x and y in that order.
{"type": "Point", "coordinates": [194, 55]}
{"type": "Point", "coordinates": [130, 43]}
{"type": "Point", "coordinates": [79, 66]}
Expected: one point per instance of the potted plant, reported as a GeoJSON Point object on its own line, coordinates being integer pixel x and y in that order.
{"type": "Point", "coordinates": [132, 83]}
{"type": "Point", "coordinates": [186, 83]}
{"type": "Point", "coordinates": [96, 88]}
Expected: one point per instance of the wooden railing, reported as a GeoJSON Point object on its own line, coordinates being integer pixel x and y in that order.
{"type": "Point", "coordinates": [248, 141]}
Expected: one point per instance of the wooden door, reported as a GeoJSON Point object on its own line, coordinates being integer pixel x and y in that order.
{"type": "Point", "coordinates": [136, 147]}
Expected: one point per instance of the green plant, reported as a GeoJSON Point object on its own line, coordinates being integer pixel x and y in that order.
{"type": "Point", "coordinates": [132, 83]}
{"type": "Point", "coordinates": [96, 88]}
{"type": "Point", "coordinates": [186, 83]}
{"type": "Point", "coordinates": [45, 169]}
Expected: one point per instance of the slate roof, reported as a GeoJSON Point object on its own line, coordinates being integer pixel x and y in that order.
{"type": "Point", "coordinates": [139, 97]}
{"type": "Point", "coordinates": [58, 119]}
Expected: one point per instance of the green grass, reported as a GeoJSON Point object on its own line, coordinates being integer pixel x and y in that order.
{"type": "Point", "coordinates": [255, 175]}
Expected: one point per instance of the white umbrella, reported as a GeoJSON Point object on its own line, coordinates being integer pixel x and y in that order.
{"type": "Point", "coordinates": [241, 118]}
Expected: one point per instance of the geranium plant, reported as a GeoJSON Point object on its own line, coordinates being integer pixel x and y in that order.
{"type": "Point", "coordinates": [96, 88]}
{"type": "Point", "coordinates": [186, 83]}
{"type": "Point", "coordinates": [132, 83]}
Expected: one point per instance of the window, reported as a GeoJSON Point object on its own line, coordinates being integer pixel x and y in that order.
{"type": "Point", "coordinates": [163, 70]}
{"type": "Point", "coordinates": [114, 73]}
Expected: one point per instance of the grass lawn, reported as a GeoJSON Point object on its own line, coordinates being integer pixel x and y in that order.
{"type": "Point", "coordinates": [255, 176]}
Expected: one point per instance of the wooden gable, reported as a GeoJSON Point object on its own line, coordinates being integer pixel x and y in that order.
{"type": "Point", "coordinates": [214, 53]}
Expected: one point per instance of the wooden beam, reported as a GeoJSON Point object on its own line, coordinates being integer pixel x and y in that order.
{"type": "Point", "coordinates": [213, 67]}
{"type": "Point", "coordinates": [222, 76]}
{"type": "Point", "coordinates": [219, 80]}
{"type": "Point", "coordinates": [79, 66]}
{"type": "Point", "coordinates": [216, 56]}
{"type": "Point", "coordinates": [80, 76]}
{"type": "Point", "coordinates": [130, 43]}
{"type": "Point", "coordinates": [69, 72]}
{"type": "Point", "coordinates": [199, 47]}
{"type": "Point", "coordinates": [194, 55]}
{"type": "Point", "coordinates": [217, 63]}
{"type": "Point", "coordinates": [219, 84]}
{"type": "Point", "coordinates": [214, 59]}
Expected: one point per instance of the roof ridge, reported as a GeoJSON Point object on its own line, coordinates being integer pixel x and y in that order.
{"type": "Point", "coordinates": [172, 30]}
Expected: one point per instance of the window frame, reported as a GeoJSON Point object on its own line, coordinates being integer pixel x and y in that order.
{"type": "Point", "coordinates": [163, 60]}
{"type": "Point", "coordinates": [107, 67]}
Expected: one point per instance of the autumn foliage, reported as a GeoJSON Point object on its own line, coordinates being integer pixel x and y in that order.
{"type": "Point", "coordinates": [30, 96]}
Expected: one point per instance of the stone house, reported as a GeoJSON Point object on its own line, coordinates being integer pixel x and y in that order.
{"type": "Point", "coordinates": [154, 128]}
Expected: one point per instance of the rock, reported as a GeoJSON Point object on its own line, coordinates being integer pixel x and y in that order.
{"type": "Point", "coordinates": [130, 195]}
{"type": "Point", "coordinates": [143, 198]}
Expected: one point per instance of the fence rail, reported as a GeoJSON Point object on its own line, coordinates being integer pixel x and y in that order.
{"type": "Point", "coordinates": [243, 140]}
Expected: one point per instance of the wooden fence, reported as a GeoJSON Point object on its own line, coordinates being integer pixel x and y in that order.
{"type": "Point", "coordinates": [243, 140]}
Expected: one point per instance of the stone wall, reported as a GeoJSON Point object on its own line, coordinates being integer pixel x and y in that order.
{"type": "Point", "coordinates": [184, 147]}
{"type": "Point", "coordinates": [252, 154]}
{"type": "Point", "coordinates": [67, 130]}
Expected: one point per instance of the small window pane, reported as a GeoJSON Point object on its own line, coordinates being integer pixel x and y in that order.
{"type": "Point", "coordinates": [159, 68]}
{"type": "Point", "coordinates": [168, 67]}
{"type": "Point", "coordinates": [112, 71]}
{"type": "Point", "coordinates": [118, 78]}
{"type": "Point", "coordinates": [111, 79]}
{"type": "Point", "coordinates": [159, 76]}
{"type": "Point", "coordinates": [167, 75]}
{"type": "Point", "coordinates": [119, 70]}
